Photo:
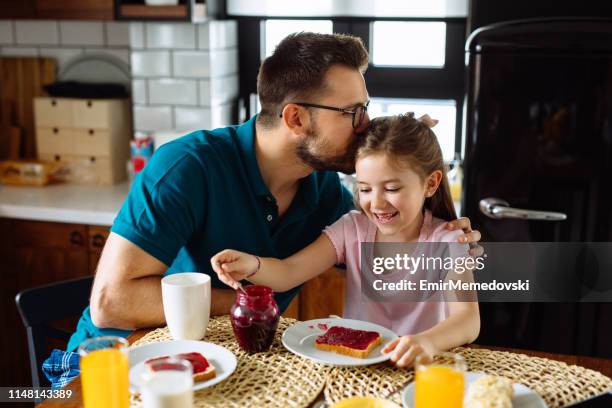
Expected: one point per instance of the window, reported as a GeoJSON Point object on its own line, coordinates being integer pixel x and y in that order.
{"type": "Point", "coordinates": [408, 44]}
{"type": "Point", "coordinates": [445, 111]}
{"type": "Point", "coordinates": [416, 63]}
{"type": "Point", "coordinates": [273, 31]}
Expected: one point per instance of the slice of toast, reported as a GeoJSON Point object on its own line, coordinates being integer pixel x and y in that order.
{"type": "Point", "coordinates": [349, 342]}
{"type": "Point", "coordinates": [202, 369]}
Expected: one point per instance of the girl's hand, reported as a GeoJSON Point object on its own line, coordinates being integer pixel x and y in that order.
{"type": "Point", "coordinates": [406, 348]}
{"type": "Point", "coordinates": [232, 266]}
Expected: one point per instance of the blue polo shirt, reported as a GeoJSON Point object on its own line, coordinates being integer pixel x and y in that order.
{"type": "Point", "coordinates": [203, 193]}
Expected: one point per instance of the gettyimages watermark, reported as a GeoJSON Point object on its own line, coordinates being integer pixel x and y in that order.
{"type": "Point", "coordinates": [504, 272]}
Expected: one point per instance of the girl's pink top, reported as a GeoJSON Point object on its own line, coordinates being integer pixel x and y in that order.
{"type": "Point", "coordinates": [403, 318]}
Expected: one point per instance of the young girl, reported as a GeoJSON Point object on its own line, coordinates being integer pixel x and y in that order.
{"type": "Point", "coordinates": [403, 196]}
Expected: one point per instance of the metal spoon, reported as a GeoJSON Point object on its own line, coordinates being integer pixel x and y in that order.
{"type": "Point", "coordinates": [239, 287]}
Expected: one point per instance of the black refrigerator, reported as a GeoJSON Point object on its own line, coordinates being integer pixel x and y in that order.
{"type": "Point", "coordinates": [537, 147]}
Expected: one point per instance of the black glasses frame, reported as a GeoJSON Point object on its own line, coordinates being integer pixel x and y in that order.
{"type": "Point", "coordinates": [360, 109]}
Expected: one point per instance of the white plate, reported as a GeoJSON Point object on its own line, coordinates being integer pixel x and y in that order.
{"type": "Point", "coordinates": [221, 358]}
{"type": "Point", "coordinates": [300, 340]}
{"type": "Point", "coordinates": [524, 397]}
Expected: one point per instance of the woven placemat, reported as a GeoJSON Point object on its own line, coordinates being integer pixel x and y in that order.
{"type": "Point", "coordinates": [276, 378]}
{"type": "Point", "coordinates": [557, 383]}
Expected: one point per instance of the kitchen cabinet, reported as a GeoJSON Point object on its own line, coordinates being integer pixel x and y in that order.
{"type": "Point", "coordinates": [319, 297]}
{"type": "Point", "coordinates": [34, 253]}
{"type": "Point", "coordinates": [17, 9]}
{"type": "Point", "coordinates": [90, 138]}
{"type": "Point", "coordinates": [75, 9]}
{"type": "Point", "coordinates": [185, 10]}
{"type": "Point", "coordinates": [47, 252]}
{"type": "Point", "coordinates": [96, 239]}
{"type": "Point", "coordinates": [293, 310]}
{"type": "Point", "coordinates": [58, 9]}
{"type": "Point", "coordinates": [23, 79]}
{"type": "Point", "coordinates": [323, 295]}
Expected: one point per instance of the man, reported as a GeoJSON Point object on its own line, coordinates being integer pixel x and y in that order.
{"type": "Point", "coordinates": [268, 186]}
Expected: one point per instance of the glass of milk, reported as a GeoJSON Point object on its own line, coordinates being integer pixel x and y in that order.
{"type": "Point", "coordinates": [168, 384]}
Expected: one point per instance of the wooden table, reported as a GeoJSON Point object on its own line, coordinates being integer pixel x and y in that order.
{"type": "Point", "coordinates": [602, 365]}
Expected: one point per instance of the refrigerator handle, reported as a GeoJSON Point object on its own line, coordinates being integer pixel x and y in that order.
{"type": "Point", "coordinates": [500, 209]}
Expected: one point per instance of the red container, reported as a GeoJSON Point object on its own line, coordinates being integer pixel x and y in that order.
{"type": "Point", "coordinates": [254, 318]}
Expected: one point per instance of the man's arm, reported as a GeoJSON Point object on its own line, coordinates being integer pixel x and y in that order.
{"type": "Point", "coordinates": [126, 293]}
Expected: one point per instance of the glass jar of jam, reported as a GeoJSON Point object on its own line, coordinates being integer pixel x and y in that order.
{"type": "Point", "coordinates": [254, 318]}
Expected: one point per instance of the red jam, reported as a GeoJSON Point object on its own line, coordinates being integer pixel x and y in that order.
{"type": "Point", "coordinates": [343, 336]}
{"type": "Point", "coordinates": [254, 318]}
{"type": "Point", "coordinates": [197, 360]}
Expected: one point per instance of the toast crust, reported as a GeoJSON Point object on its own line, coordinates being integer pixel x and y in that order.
{"type": "Point", "coordinates": [207, 374]}
{"type": "Point", "coordinates": [348, 351]}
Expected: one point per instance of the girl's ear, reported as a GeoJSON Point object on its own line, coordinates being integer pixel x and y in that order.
{"type": "Point", "coordinates": [433, 182]}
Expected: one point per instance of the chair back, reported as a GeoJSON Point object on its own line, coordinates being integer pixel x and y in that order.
{"type": "Point", "coordinates": [43, 304]}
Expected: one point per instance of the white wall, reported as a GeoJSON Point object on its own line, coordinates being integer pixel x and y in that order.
{"type": "Point", "coordinates": [63, 40]}
{"type": "Point", "coordinates": [184, 75]}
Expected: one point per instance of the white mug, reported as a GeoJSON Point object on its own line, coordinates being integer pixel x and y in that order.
{"type": "Point", "coordinates": [186, 298]}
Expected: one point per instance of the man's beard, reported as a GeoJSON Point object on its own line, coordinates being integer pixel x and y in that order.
{"type": "Point", "coordinates": [311, 151]}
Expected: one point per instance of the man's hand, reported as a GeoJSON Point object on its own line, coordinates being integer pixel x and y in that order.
{"type": "Point", "coordinates": [470, 236]}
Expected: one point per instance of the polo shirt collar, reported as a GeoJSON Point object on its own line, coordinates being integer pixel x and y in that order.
{"type": "Point", "coordinates": [308, 192]}
{"type": "Point", "coordinates": [246, 140]}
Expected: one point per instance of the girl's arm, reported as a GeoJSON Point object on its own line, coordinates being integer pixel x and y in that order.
{"type": "Point", "coordinates": [463, 323]}
{"type": "Point", "coordinates": [279, 274]}
{"type": "Point", "coordinates": [461, 327]}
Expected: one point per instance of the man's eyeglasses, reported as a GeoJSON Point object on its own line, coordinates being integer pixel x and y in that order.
{"type": "Point", "coordinates": [359, 113]}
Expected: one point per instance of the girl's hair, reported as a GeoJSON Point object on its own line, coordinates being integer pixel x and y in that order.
{"type": "Point", "coordinates": [410, 143]}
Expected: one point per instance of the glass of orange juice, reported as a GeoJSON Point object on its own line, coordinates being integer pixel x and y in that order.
{"type": "Point", "coordinates": [104, 372]}
{"type": "Point", "coordinates": [439, 384]}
